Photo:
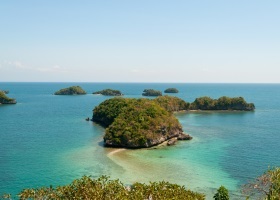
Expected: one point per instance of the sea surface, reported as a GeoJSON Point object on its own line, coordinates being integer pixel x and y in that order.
{"type": "Point", "coordinates": [45, 139]}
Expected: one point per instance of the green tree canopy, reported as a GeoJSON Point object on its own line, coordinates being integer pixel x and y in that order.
{"type": "Point", "coordinates": [151, 92]}
{"type": "Point", "coordinates": [171, 90]}
{"type": "Point", "coordinates": [109, 92]}
{"type": "Point", "coordinates": [73, 90]}
{"type": "Point", "coordinates": [222, 194]}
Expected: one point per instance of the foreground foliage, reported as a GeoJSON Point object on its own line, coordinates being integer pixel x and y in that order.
{"type": "Point", "coordinates": [222, 194]}
{"type": "Point", "coordinates": [73, 90]}
{"type": "Point", "coordinates": [104, 188]}
{"type": "Point", "coordinates": [223, 103]}
{"type": "Point", "coordinates": [6, 100]}
{"type": "Point", "coordinates": [266, 186]}
{"type": "Point", "coordinates": [109, 92]}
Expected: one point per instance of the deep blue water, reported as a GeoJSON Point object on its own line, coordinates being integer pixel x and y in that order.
{"type": "Point", "coordinates": [44, 139]}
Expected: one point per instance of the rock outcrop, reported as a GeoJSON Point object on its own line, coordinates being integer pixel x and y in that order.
{"type": "Point", "coordinates": [6, 100]}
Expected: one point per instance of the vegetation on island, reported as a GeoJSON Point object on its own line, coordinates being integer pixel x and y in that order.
{"type": "Point", "coordinates": [172, 104]}
{"type": "Point", "coordinates": [136, 123]}
{"type": "Point", "coordinates": [6, 100]}
{"type": "Point", "coordinates": [141, 123]}
{"type": "Point", "coordinates": [223, 103]}
{"type": "Point", "coordinates": [5, 91]}
{"type": "Point", "coordinates": [109, 92]}
{"type": "Point", "coordinates": [104, 188]}
{"type": "Point", "coordinates": [151, 92]}
{"type": "Point", "coordinates": [106, 112]}
{"type": "Point", "coordinates": [171, 90]}
{"type": "Point", "coordinates": [73, 90]}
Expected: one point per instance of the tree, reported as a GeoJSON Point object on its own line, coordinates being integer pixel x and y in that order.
{"type": "Point", "coordinates": [266, 186]}
{"type": "Point", "coordinates": [222, 194]}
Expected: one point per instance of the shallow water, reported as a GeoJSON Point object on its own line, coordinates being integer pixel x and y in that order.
{"type": "Point", "coordinates": [46, 140]}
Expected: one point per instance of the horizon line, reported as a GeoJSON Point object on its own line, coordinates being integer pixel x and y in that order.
{"type": "Point", "coordinates": [141, 82]}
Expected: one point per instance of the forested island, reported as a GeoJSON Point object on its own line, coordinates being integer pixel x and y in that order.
{"type": "Point", "coordinates": [151, 92]}
{"type": "Point", "coordinates": [171, 90]}
{"type": "Point", "coordinates": [142, 123]}
{"type": "Point", "coordinates": [137, 123]}
{"type": "Point", "coordinates": [6, 100]}
{"type": "Point", "coordinates": [223, 103]}
{"type": "Point", "coordinates": [109, 92]}
{"type": "Point", "coordinates": [73, 90]}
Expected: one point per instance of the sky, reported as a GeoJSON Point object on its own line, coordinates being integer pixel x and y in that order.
{"type": "Point", "coordinates": [184, 41]}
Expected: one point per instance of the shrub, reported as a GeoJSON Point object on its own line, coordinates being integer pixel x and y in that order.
{"type": "Point", "coordinates": [222, 194]}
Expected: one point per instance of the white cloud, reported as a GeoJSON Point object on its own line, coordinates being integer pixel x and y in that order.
{"type": "Point", "coordinates": [18, 65]}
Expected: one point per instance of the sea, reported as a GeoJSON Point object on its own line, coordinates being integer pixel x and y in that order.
{"type": "Point", "coordinates": [45, 139]}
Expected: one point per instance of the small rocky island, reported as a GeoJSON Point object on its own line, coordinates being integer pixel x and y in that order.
{"type": "Point", "coordinates": [109, 92]}
{"type": "Point", "coordinates": [171, 90]}
{"type": "Point", "coordinates": [6, 100]}
{"type": "Point", "coordinates": [151, 92]}
{"type": "Point", "coordinates": [73, 90]}
{"type": "Point", "coordinates": [137, 123]}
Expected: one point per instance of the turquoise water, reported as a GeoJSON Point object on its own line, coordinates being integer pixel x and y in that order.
{"type": "Point", "coordinates": [44, 139]}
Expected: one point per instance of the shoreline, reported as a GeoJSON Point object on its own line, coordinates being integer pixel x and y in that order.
{"type": "Point", "coordinates": [114, 151]}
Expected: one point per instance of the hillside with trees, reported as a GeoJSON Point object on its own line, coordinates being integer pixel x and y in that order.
{"type": "Point", "coordinates": [103, 188]}
{"type": "Point", "coordinates": [172, 104]}
{"type": "Point", "coordinates": [136, 123]}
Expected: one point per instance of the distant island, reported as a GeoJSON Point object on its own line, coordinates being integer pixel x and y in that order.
{"type": "Point", "coordinates": [6, 100]}
{"type": "Point", "coordinates": [151, 92]}
{"type": "Point", "coordinates": [137, 123]}
{"type": "Point", "coordinates": [171, 90]}
{"type": "Point", "coordinates": [73, 90]}
{"type": "Point", "coordinates": [109, 92]}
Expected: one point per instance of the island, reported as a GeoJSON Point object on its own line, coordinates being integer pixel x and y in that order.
{"type": "Point", "coordinates": [6, 100]}
{"type": "Point", "coordinates": [137, 123]}
{"type": "Point", "coordinates": [151, 92]}
{"type": "Point", "coordinates": [5, 91]}
{"type": "Point", "coordinates": [171, 90]}
{"type": "Point", "coordinates": [223, 103]}
{"type": "Point", "coordinates": [73, 90]}
{"type": "Point", "coordinates": [109, 92]}
{"type": "Point", "coordinates": [142, 123]}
